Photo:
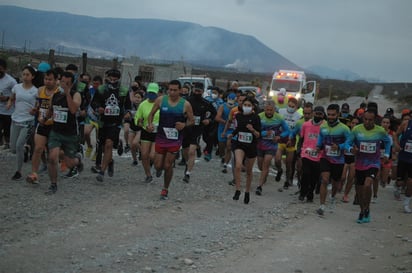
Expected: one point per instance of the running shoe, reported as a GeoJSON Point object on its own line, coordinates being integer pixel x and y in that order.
{"type": "Point", "coordinates": [110, 168]}
{"type": "Point", "coordinates": [100, 177]}
{"type": "Point", "coordinates": [52, 189]}
{"type": "Point", "coordinates": [148, 179]}
{"type": "Point", "coordinates": [186, 178]}
{"type": "Point", "coordinates": [207, 156]}
{"type": "Point", "coordinates": [320, 211]}
{"type": "Point", "coordinates": [407, 209]}
{"type": "Point", "coordinates": [397, 194]}
{"type": "Point", "coordinates": [126, 148]}
{"type": "Point", "coordinates": [135, 163]}
{"type": "Point", "coordinates": [72, 173]}
{"type": "Point", "coordinates": [158, 173]}
{"type": "Point", "coordinates": [163, 194]}
{"type": "Point", "coordinates": [32, 178]}
{"type": "Point", "coordinates": [259, 190]}
{"type": "Point", "coordinates": [278, 175]}
{"type": "Point", "coordinates": [89, 151]}
{"type": "Point", "coordinates": [95, 169]}
{"type": "Point", "coordinates": [17, 176]}
{"type": "Point", "coordinates": [360, 218]}
{"type": "Point", "coordinates": [366, 216]}
{"type": "Point", "coordinates": [246, 198]}
{"type": "Point", "coordinates": [237, 195]}
{"type": "Point", "coordinates": [120, 147]}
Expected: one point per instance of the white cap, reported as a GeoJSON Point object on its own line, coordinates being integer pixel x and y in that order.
{"type": "Point", "coordinates": [282, 91]}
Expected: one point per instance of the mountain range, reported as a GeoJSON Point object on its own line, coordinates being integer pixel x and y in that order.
{"type": "Point", "coordinates": [153, 39]}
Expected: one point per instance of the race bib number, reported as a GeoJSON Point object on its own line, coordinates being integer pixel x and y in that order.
{"type": "Point", "coordinates": [329, 151]}
{"type": "Point", "coordinates": [171, 133]}
{"type": "Point", "coordinates": [42, 112]}
{"type": "Point", "coordinates": [367, 147]}
{"type": "Point", "coordinates": [60, 116]}
{"type": "Point", "coordinates": [112, 111]}
{"type": "Point", "coordinates": [245, 137]}
{"type": "Point", "coordinates": [408, 147]}
{"type": "Point", "coordinates": [311, 152]}
{"type": "Point", "coordinates": [269, 135]}
{"type": "Point", "coordinates": [197, 120]}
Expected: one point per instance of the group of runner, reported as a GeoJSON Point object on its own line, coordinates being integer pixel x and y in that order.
{"type": "Point", "coordinates": [318, 146]}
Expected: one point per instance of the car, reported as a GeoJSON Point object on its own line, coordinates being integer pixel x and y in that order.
{"type": "Point", "coordinates": [191, 79]}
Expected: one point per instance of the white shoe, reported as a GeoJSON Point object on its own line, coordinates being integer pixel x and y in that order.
{"type": "Point", "coordinates": [407, 209]}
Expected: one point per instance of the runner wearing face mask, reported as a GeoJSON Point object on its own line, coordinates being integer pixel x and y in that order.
{"type": "Point", "coordinates": [244, 144]}
{"type": "Point", "coordinates": [287, 144]}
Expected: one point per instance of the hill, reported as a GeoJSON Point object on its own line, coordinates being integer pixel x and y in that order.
{"type": "Point", "coordinates": [147, 38]}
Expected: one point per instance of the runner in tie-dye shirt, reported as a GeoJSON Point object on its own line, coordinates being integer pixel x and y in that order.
{"type": "Point", "coordinates": [367, 138]}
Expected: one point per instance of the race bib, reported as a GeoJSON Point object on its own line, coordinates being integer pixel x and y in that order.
{"type": "Point", "coordinates": [42, 112]}
{"type": "Point", "coordinates": [329, 152]}
{"type": "Point", "coordinates": [197, 120]}
{"type": "Point", "coordinates": [60, 116]}
{"type": "Point", "coordinates": [245, 137]}
{"type": "Point", "coordinates": [367, 147]}
{"type": "Point", "coordinates": [112, 110]}
{"type": "Point", "coordinates": [311, 152]}
{"type": "Point", "coordinates": [171, 133]}
{"type": "Point", "coordinates": [155, 126]}
{"type": "Point", "coordinates": [408, 147]}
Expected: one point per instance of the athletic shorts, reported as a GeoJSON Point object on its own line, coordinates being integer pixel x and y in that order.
{"type": "Point", "coordinates": [361, 175]}
{"type": "Point", "coordinates": [43, 130]}
{"type": "Point", "coordinates": [134, 127]}
{"type": "Point", "coordinates": [334, 169]}
{"type": "Point", "coordinates": [282, 146]}
{"type": "Point", "coordinates": [349, 159]}
{"type": "Point", "coordinates": [249, 149]}
{"type": "Point", "coordinates": [404, 170]}
{"type": "Point", "coordinates": [262, 153]}
{"type": "Point", "coordinates": [190, 137]}
{"type": "Point", "coordinates": [145, 136]}
{"type": "Point", "coordinates": [69, 144]}
{"type": "Point", "coordinates": [163, 150]}
{"type": "Point", "coordinates": [111, 133]}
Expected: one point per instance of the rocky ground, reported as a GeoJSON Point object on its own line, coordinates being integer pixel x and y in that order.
{"type": "Point", "coordinates": [120, 225]}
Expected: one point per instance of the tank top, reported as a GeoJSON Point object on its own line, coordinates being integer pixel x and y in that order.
{"type": "Point", "coordinates": [64, 122]}
{"type": "Point", "coordinates": [168, 135]}
{"type": "Point", "coordinates": [43, 101]}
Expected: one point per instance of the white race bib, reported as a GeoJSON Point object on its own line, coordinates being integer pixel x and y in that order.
{"type": "Point", "coordinates": [60, 116]}
{"type": "Point", "coordinates": [171, 133]}
{"type": "Point", "coordinates": [408, 147]}
{"type": "Point", "coordinates": [311, 152]}
{"type": "Point", "coordinates": [329, 151]}
{"type": "Point", "coordinates": [367, 147]}
{"type": "Point", "coordinates": [245, 137]}
{"type": "Point", "coordinates": [197, 120]}
{"type": "Point", "coordinates": [112, 110]}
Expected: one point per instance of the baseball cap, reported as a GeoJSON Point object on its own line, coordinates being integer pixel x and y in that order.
{"type": "Point", "coordinates": [153, 87]}
{"type": "Point", "coordinates": [389, 110]}
{"type": "Point", "coordinates": [282, 92]}
{"type": "Point", "coordinates": [231, 96]}
{"type": "Point", "coordinates": [198, 86]}
{"type": "Point", "coordinates": [406, 112]}
{"type": "Point", "coordinates": [43, 67]}
{"type": "Point", "coordinates": [345, 107]}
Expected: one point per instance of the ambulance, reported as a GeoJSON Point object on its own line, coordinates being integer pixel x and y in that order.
{"type": "Point", "coordinates": [295, 84]}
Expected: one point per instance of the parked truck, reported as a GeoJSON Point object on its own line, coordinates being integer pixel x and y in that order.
{"type": "Point", "coordinates": [295, 84]}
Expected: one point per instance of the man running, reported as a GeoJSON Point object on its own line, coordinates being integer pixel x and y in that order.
{"type": "Point", "coordinates": [175, 114]}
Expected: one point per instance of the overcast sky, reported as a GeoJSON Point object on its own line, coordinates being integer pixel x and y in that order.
{"type": "Point", "coordinates": [370, 37]}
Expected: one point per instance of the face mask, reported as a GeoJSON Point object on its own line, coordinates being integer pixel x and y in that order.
{"type": "Point", "coordinates": [113, 85]}
{"type": "Point", "coordinates": [247, 110]}
{"type": "Point", "coordinates": [135, 88]}
{"type": "Point", "coordinates": [151, 96]}
{"type": "Point", "coordinates": [290, 109]}
{"type": "Point", "coordinates": [197, 96]}
{"type": "Point", "coordinates": [317, 119]}
{"type": "Point", "coordinates": [345, 115]}
{"type": "Point", "coordinates": [184, 95]}
{"type": "Point", "coordinates": [214, 96]}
